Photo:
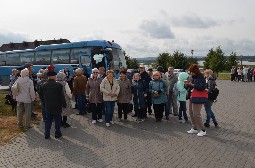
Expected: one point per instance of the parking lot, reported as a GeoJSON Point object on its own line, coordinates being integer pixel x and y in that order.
{"type": "Point", "coordinates": [149, 144]}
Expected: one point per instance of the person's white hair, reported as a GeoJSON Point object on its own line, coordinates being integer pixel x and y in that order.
{"type": "Point", "coordinates": [24, 72]}
{"type": "Point", "coordinates": [61, 76]}
{"type": "Point", "coordinates": [95, 70]}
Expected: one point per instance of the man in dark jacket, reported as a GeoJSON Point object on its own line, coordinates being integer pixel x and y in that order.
{"type": "Point", "coordinates": [52, 95]}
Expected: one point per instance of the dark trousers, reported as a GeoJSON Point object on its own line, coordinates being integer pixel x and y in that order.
{"type": "Point", "coordinates": [122, 107]}
{"type": "Point", "coordinates": [48, 123]}
{"type": "Point", "coordinates": [149, 104]}
{"type": "Point", "coordinates": [182, 110]}
{"type": "Point", "coordinates": [96, 109]}
{"type": "Point", "coordinates": [109, 109]}
{"type": "Point", "coordinates": [158, 110]}
{"type": "Point", "coordinates": [81, 103]}
{"type": "Point", "coordinates": [141, 113]}
{"type": "Point", "coordinates": [44, 114]}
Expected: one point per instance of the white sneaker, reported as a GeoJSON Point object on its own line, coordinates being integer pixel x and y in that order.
{"type": "Point", "coordinates": [192, 131]}
{"type": "Point", "coordinates": [201, 133]}
{"type": "Point", "coordinates": [94, 122]}
{"type": "Point", "coordinates": [112, 122]}
{"type": "Point", "coordinates": [107, 124]}
{"type": "Point", "coordinates": [100, 120]}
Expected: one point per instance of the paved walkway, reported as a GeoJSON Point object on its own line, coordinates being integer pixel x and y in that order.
{"type": "Point", "coordinates": [149, 144]}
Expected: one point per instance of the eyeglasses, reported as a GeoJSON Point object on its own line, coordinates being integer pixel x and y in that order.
{"type": "Point", "coordinates": [155, 75]}
{"type": "Point", "coordinates": [95, 72]}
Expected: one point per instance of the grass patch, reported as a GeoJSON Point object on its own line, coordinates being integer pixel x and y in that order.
{"type": "Point", "coordinates": [8, 120]}
{"type": "Point", "coordinates": [223, 76]}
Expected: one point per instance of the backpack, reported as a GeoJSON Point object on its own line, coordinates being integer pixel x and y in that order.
{"type": "Point", "coordinates": [175, 90]}
{"type": "Point", "coordinates": [213, 94]}
{"type": "Point", "coordinates": [15, 89]}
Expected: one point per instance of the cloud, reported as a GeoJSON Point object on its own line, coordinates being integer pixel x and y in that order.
{"type": "Point", "coordinates": [191, 20]}
{"type": "Point", "coordinates": [156, 29]}
{"type": "Point", "coordinates": [7, 37]}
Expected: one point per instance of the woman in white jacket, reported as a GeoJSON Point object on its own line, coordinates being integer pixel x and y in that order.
{"type": "Point", "coordinates": [25, 97]}
{"type": "Point", "coordinates": [110, 89]}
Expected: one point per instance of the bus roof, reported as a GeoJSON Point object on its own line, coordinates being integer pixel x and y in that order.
{"type": "Point", "coordinates": [102, 43]}
{"type": "Point", "coordinates": [17, 51]}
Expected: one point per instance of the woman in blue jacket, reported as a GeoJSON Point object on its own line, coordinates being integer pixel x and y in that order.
{"type": "Point", "coordinates": [157, 89]}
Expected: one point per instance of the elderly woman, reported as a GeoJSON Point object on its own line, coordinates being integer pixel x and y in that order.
{"type": "Point", "coordinates": [210, 85]}
{"type": "Point", "coordinates": [110, 89]}
{"type": "Point", "coordinates": [197, 84]}
{"type": "Point", "coordinates": [158, 88]}
{"type": "Point", "coordinates": [26, 95]}
{"type": "Point", "coordinates": [61, 76]}
{"type": "Point", "coordinates": [124, 96]}
{"type": "Point", "coordinates": [139, 89]}
{"type": "Point", "coordinates": [94, 96]}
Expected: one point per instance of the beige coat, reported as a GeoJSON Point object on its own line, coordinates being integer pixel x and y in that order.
{"type": "Point", "coordinates": [26, 90]}
{"type": "Point", "coordinates": [106, 88]}
{"type": "Point", "coordinates": [125, 95]}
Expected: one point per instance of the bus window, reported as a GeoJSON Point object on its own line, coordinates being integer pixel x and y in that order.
{"type": "Point", "coordinates": [3, 59]}
{"type": "Point", "coordinates": [85, 61]}
{"type": "Point", "coordinates": [76, 52]}
{"type": "Point", "coordinates": [60, 56]}
{"type": "Point", "coordinates": [12, 59]}
{"type": "Point", "coordinates": [42, 58]}
{"type": "Point", "coordinates": [27, 58]}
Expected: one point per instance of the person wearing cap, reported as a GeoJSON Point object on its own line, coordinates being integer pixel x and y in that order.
{"type": "Point", "coordinates": [94, 96]}
{"type": "Point", "coordinates": [146, 78]}
{"type": "Point", "coordinates": [53, 97]}
{"type": "Point", "coordinates": [150, 73]}
{"type": "Point", "coordinates": [80, 82]}
{"type": "Point", "coordinates": [25, 97]}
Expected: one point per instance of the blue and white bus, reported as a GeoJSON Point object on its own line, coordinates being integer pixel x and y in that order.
{"type": "Point", "coordinates": [85, 54]}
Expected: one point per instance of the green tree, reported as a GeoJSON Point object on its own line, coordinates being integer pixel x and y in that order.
{"type": "Point", "coordinates": [231, 61]}
{"type": "Point", "coordinates": [215, 60]}
{"type": "Point", "coordinates": [162, 60]}
{"type": "Point", "coordinates": [191, 60]}
{"type": "Point", "coordinates": [178, 60]}
{"type": "Point", "coordinates": [132, 63]}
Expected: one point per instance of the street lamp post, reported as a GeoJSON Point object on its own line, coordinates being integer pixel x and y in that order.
{"type": "Point", "coordinates": [192, 51]}
{"type": "Point", "coordinates": [241, 60]}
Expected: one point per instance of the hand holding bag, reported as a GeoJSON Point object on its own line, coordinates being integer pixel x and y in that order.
{"type": "Point", "coordinates": [199, 97]}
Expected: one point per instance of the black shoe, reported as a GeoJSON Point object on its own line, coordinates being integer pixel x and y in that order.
{"type": "Point", "coordinates": [158, 119]}
{"type": "Point", "coordinates": [216, 124]}
{"type": "Point", "coordinates": [175, 114]}
{"type": "Point", "coordinates": [66, 125]}
{"type": "Point", "coordinates": [135, 115]}
{"type": "Point", "coordinates": [58, 136]}
{"type": "Point", "coordinates": [80, 114]}
{"type": "Point", "coordinates": [167, 117]}
{"type": "Point", "coordinates": [47, 137]}
{"type": "Point", "coordinates": [207, 125]}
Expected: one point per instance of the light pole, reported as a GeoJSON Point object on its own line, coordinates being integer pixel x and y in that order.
{"type": "Point", "coordinates": [192, 51]}
{"type": "Point", "coordinates": [241, 60]}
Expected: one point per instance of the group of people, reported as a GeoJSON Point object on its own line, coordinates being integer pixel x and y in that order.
{"type": "Point", "coordinates": [100, 92]}
{"type": "Point", "coordinates": [242, 74]}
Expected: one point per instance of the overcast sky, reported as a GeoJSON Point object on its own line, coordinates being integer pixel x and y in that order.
{"type": "Point", "coordinates": [142, 27]}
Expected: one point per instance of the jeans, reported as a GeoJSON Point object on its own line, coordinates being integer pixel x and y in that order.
{"type": "Point", "coordinates": [182, 110]}
{"type": "Point", "coordinates": [122, 107]}
{"type": "Point", "coordinates": [109, 109]}
{"type": "Point", "coordinates": [48, 123]}
{"type": "Point", "coordinates": [44, 114]}
{"type": "Point", "coordinates": [209, 113]}
{"type": "Point", "coordinates": [96, 110]}
{"type": "Point", "coordinates": [81, 103]}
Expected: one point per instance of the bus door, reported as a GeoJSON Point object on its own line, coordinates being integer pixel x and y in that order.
{"type": "Point", "coordinates": [85, 64]}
